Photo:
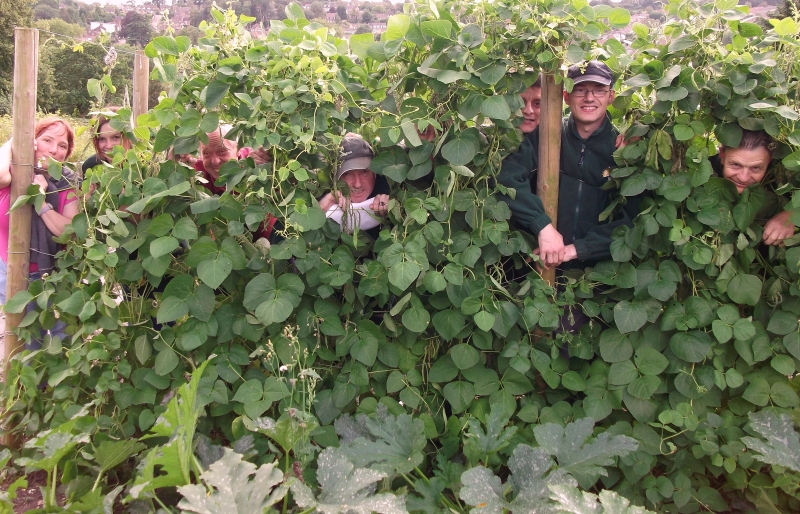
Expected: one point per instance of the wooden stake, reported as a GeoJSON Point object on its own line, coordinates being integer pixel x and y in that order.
{"type": "Point", "coordinates": [26, 64]}
{"type": "Point", "coordinates": [550, 152]}
{"type": "Point", "coordinates": [141, 84]}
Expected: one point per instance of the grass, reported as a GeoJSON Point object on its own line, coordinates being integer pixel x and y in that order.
{"type": "Point", "coordinates": [83, 143]}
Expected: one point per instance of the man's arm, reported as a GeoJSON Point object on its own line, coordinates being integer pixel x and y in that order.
{"type": "Point", "coordinates": [527, 209]}
{"type": "Point", "coordinates": [597, 243]}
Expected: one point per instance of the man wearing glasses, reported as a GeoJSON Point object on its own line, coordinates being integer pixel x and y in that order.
{"type": "Point", "coordinates": [588, 141]}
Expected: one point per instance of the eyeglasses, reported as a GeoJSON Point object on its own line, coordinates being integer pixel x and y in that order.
{"type": "Point", "coordinates": [583, 93]}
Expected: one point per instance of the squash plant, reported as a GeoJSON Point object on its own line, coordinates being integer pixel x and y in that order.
{"type": "Point", "coordinates": [425, 362]}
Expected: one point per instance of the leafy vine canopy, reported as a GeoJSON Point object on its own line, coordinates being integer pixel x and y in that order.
{"type": "Point", "coordinates": [694, 322]}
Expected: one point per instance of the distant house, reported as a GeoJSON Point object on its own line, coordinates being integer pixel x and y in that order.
{"type": "Point", "coordinates": [378, 27]}
{"type": "Point", "coordinates": [331, 15]}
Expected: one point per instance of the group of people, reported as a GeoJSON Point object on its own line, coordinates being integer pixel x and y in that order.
{"type": "Point", "coordinates": [579, 238]}
{"type": "Point", "coordinates": [588, 142]}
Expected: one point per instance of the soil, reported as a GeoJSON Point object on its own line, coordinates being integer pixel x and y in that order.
{"type": "Point", "coordinates": [28, 498]}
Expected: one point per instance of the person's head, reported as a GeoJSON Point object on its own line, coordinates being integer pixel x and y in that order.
{"type": "Point", "coordinates": [533, 103]}
{"type": "Point", "coordinates": [356, 157]}
{"type": "Point", "coordinates": [747, 164]}
{"type": "Point", "coordinates": [55, 139]}
{"type": "Point", "coordinates": [105, 138]}
{"type": "Point", "coordinates": [591, 94]}
{"type": "Point", "coordinates": [218, 151]}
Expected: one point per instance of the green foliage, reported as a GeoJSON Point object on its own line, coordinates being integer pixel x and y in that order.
{"type": "Point", "coordinates": [418, 358]}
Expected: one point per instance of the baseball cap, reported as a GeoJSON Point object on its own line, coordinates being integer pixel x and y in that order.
{"type": "Point", "coordinates": [355, 154]}
{"type": "Point", "coordinates": [592, 71]}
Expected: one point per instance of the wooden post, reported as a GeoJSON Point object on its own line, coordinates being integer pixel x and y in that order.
{"type": "Point", "coordinates": [26, 63]}
{"type": "Point", "coordinates": [141, 84]}
{"type": "Point", "coordinates": [550, 152]}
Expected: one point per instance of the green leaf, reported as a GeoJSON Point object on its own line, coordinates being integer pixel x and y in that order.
{"type": "Point", "coordinates": [459, 394]}
{"type": "Point", "coordinates": [110, 454]}
{"type": "Point", "coordinates": [459, 151]}
{"type": "Point", "coordinates": [235, 485]}
{"type": "Point", "coordinates": [484, 320]}
{"type": "Point", "coordinates": [392, 444]}
{"type": "Point", "coordinates": [649, 361]}
{"type": "Point", "coordinates": [578, 452]}
{"type": "Point", "coordinates": [780, 445]}
{"type": "Point", "coordinates": [440, 29]}
{"type": "Point", "coordinates": [215, 92]}
{"type": "Point", "coordinates": [360, 43]}
{"type": "Point", "coordinates": [691, 346]}
{"type": "Point", "coordinates": [416, 318]}
{"type": "Point", "coordinates": [250, 391]}
{"type": "Point", "coordinates": [745, 289]}
{"type": "Point", "coordinates": [644, 387]}
{"type": "Point", "coordinates": [443, 370]}
{"type": "Point", "coordinates": [781, 322]}
{"type": "Point", "coordinates": [403, 274]}
{"type": "Point", "coordinates": [757, 392]}
{"type": "Point", "coordinates": [615, 346]}
{"type": "Point", "coordinates": [18, 302]}
{"type": "Point", "coordinates": [214, 272]}
{"type": "Point", "coordinates": [345, 488]}
{"type": "Point", "coordinates": [496, 108]}
{"type": "Point", "coordinates": [629, 316]}
{"type": "Point", "coordinates": [464, 356]}
{"type": "Point", "coordinates": [166, 361]}
{"type": "Point", "coordinates": [783, 395]}
{"type": "Point", "coordinates": [448, 323]}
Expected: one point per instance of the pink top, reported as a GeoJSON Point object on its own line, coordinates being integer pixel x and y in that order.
{"type": "Point", "coordinates": [64, 197]}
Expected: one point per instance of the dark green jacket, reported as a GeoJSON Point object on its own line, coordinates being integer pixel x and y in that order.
{"type": "Point", "coordinates": [585, 164]}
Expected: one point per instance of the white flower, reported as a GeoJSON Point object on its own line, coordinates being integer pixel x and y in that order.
{"type": "Point", "coordinates": [283, 368]}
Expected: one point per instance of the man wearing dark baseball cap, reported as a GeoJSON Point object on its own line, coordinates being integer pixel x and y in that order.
{"type": "Point", "coordinates": [588, 141]}
{"type": "Point", "coordinates": [368, 195]}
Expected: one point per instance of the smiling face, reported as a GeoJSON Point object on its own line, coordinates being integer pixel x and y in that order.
{"type": "Point", "coordinates": [744, 167]}
{"type": "Point", "coordinates": [588, 103]}
{"type": "Point", "coordinates": [530, 111]}
{"type": "Point", "coordinates": [361, 184]}
{"type": "Point", "coordinates": [107, 138]}
{"type": "Point", "coordinates": [217, 152]}
{"type": "Point", "coordinates": [52, 142]}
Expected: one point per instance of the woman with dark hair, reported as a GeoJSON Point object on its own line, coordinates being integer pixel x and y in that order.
{"type": "Point", "coordinates": [105, 139]}
{"type": "Point", "coordinates": [53, 139]}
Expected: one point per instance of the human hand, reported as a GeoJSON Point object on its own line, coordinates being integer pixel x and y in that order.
{"type": "Point", "coordinates": [778, 228]}
{"type": "Point", "coordinates": [621, 142]}
{"type": "Point", "coordinates": [551, 247]}
{"type": "Point", "coordinates": [380, 205]}
{"type": "Point", "coordinates": [260, 156]}
{"type": "Point", "coordinates": [343, 201]}
{"type": "Point", "coordinates": [327, 201]}
{"type": "Point", "coordinates": [40, 181]}
{"type": "Point", "coordinates": [429, 134]}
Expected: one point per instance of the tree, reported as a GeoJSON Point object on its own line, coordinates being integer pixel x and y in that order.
{"type": "Point", "coordinates": [13, 13]}
{"type": "Point", "coordinates": [136, 29]}
{"type": "Point", "coordinates": [788, 9]}
{"type": "Point", "coordinates": [46, 12]}
{"type": "Point", "coordinates": [60, 26]}
{"type": "Point", "coordinates": [341, 12]}
{"type": "Point", "coordinates": [363, 29]}
{"type": "Point", "coordinates": [316, 10]}
{"type": "Point", "coordinates": [367, 17]}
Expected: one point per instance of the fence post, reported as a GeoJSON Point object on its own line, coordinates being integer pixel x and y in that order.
{"type": "Point", "coordinates": [141, 84]}
{"type": "Point", "coordinates": [26, 63]}
{"type": "Point", "coordinates": [550, 152]}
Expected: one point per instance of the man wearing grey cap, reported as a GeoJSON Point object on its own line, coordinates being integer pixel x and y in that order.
{"type": "Point", "coordinates": [368, 196]}
{"type": "Point", "coordinates": [588, 141]}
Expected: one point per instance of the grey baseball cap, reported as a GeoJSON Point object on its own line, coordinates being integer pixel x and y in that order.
{"type": "Point", "coordinates": [592, 71]}
{"type": "Point", "coordinates": [355, 154]}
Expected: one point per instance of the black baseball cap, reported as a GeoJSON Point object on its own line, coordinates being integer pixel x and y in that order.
{"type": "Point", "coordinates": [591, 71]}
{"type": "Point", "coordinates": [356, 154]}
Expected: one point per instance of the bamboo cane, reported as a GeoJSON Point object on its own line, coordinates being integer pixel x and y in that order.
{"type": "Point", "coordinates": [141, 84]}
{"type": "Point", "coordinates": [550, 152]}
